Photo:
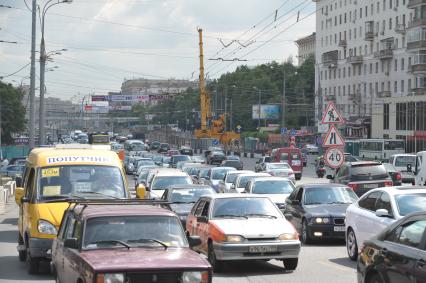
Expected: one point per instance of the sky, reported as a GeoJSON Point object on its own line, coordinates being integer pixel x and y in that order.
{"type": "Point", "coordinates": [108, 41]}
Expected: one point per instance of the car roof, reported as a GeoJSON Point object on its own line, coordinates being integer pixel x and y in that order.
{"type": "Point", "coordinates": [234, 195]}
{"type": "Point", "coordinates": [323, 185]}
{"type": "Point", "coordinates": [272, 178]}
{"type": "Point", "coordinates": [189, 186]}
{"type": "Point", "coordinates": [403, 154]}
{"type": "Point", "coordinates": [171, 172]}
{"type": "Point", "coordinates": [272, 163]}
{"type": "Point", "coordinates": [239, 172]}
{"type": "Point", "coordinates": [260, 174]}
{"type": "Point", "coordinates": [359, 163]}
{"type": "Point", "coordinates": [221, 168]}
{"type": "Point", "coordinates": [401, 190]}
{"type": "Point", "coordinates": [120, 209]}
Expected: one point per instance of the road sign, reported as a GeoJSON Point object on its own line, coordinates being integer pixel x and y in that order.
{"type": "Point", "coordinates": [331, 115]}
{"type": "Point", "coordinates": [334, 157]}
{"type": "Point", "coordinates": [283, 131]}
{"type": "Point", "coordinates": [293, 132]}
{"type": "Point", "coordinates": [215, 142]}
{"type": "Point", "coordinates": [333, 138]}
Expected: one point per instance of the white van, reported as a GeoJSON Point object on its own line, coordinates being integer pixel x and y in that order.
{"type": "Point", "coordinates": [400, 162]}
{"type": "Point", "coordinates": [420, 169]}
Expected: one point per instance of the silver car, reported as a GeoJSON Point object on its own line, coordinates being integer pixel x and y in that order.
{"type": "Point", "coordinates": [230, 177]}
{"type": "Point", "coordinates": [280, 169]}
{"type": "Point", "coordinates": [242, 227]}
{"type": "Point", "coordinates": [240, 183]}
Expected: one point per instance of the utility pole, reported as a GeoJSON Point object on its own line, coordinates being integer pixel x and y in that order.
{"type": "Point", "coordinates": [283, 102]}
{"type": "Point", "coordinates": [231, 126]}
{"type": "Point", "coordinates": [203, 94]}
{"type": "Point", "coordinates": [260, 98]}
{"type": "Point", "coordinates": [32, 80]}
{"type": "Point", "coordinates": [226, 107]}
{"type": "Point", "coordinates": [1, 129]}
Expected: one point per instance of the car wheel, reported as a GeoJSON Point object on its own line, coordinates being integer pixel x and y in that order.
{"type": "Point", "coordinates": [290, 263]}
{"type": "Point", "coordinates": [22, 254]}
{"type": "Point", "coordinates": [33, 264]}
{"type": "Point", "coordinates": [375, 278]}
{"type": "Point", "coordinates": [306, 239]}
{"type": "Point", "coordinates": [298, 177]}
{"type": "Point", "coordinates": [216, 264]}
{"type": "Point", "coordinates": [351, 245]}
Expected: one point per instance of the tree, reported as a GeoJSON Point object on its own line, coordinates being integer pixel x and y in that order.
{"type": "Point", "coordinates": [12, 112]}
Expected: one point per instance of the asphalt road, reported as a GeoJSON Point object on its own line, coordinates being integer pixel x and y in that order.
{"type": "Point", "coordinates": [322, 262]}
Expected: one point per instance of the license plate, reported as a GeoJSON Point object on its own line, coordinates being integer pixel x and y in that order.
{"type": "Point", "coordinates": [371, 186]}
{"type": "Point", "coordinates": [339, 228]}
{"type": "Point", "coordinates": [263, 249]}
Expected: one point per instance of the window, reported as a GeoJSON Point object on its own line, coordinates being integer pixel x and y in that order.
{"type": "Point", "coordinates": [206, 209]}
{"type": "Point", "coordinates": [395, 87]}
{"type": "Point", "coordinates": [410, 234]}
{"type": "Point", "coordinates": [395, 65]}
{"type": "Point", "coordinates": [402, 64]}
{"type": "Point", "coordinates": [199, 208]}
{"type": "Point", "coordinates": [369, 201]}
{"type": "Point", "coordinates": [384, 203]}
{"type": "Point", "coordinates": [401, 116]}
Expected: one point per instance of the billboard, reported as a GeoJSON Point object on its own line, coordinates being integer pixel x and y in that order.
{"type": "Point", "coordinates": [99, 98]}
{"type": "Point", "coordinates": [267, 112]}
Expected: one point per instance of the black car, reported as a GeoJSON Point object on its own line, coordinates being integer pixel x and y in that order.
{"type": "Point", "coordinates": [155, 145]}
{"type": "Point", "coordinates": [164, 147]}
{"type": "Point", "coordinates": [398, 254]}
{"type": "Point", "coordinates": [362, 176]}
{"type": "Point", "coordinates": [186, 151]}
{"type": "Point", "coordinates": [183, 197]}
{"type": "Point", "coordinates": [394, 174]}
{"type": "Point", "coordinates": [177, 158]}
{"type": "Point", "coordinates": [216, 157]}
{"type": "Point", "coordinates": [237, 164]}
{"type": "Point", "coordinates": [318, 211]}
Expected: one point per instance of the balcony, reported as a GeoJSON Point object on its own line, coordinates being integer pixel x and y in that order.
{"type": "Point", "coordinates": [384, 54]}
{"type": "Point", "coordinates": [416, 44]}
{"type": "Point", "coordinates": [418, 91]}
{"type": "Point", "coordinates": [417, 69]}
{"type": "Point", "coordinates": [413, 3]}
{"type": "Point", "coordinates": [330, 98]}
{"type": "Point", "coordinates": [416, 22]}
{"type": "Point", "coordinates": [343, 43]}
{"type": "Point", "coordinates": [384, 93]}
{"type": "Point", "coordinates": [400, 28]}
{"type": "Point", "coordinates": [354, 59]}
{"type": "Point", "coordinates": [369, 31]}
{"type": "Point", "coordinates": [369, 36]}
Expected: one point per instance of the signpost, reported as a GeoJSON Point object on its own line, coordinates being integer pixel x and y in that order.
{"type": "Point", "coordinates": [334, 156]}
{"type": "Point", "coordinates": [292, 132]}
{"type": "Point", "coordinates": [283, 131]}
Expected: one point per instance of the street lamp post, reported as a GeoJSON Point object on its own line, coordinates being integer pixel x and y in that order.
{"type": "Point", "coordinates": [258, 106]}
{"type": "Point", "coordinates": [43, 59]}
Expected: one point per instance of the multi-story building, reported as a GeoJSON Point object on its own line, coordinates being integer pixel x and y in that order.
{"type": "Point", "coordinates": [305, 48]}
{"type": "Point", "coordinates": [371, 62]}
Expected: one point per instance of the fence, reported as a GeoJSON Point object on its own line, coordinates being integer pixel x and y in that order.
{"type": "Point", "coordinates": [7, 191]}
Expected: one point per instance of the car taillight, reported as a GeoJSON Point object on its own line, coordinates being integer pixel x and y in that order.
{"type": "Point", "coordinates": [353, 186]}
{"type": "Point", "coordinates": [398, 176]}
{"type": "Point", "coordinates": [388, 184]}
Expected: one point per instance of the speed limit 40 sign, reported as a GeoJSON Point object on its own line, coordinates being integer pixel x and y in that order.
{"type": "Point", "coordinates": [334, 157]}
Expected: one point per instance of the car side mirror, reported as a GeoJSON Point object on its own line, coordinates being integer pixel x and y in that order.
{"type": "Point", "coordinates": [202, 219]}
{"type": "Point", "coordinates": [382, 213]}
{"type": "Point", "coordinates": [295, 202]}
{"type": "Point", "coordinates": [409, 168]}
{"type": "Point", "coordinates": [18, 181]}
{"type": "Point", "coordinates": [194, 241]}
{"type": "Point", "coordinates": [141, 191]}
{"type": "Point", "coordinates": [71, 243]}
{"type": "Point", "coordinates": [19, 194]}
{"type": "Point", "coordinates": [330, 177]}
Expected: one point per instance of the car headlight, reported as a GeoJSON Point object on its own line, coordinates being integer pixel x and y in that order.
{"type": "Point", "coordinates": [322, 220]}
{"type": "Point", "coordinates": [110, 278]}
{"type": "Point", "coordinates": [288, 236]}
{"type": "Point", "coordinates": [234, 238]}
{"type": "Point", "coordinates": [45, 227]}
{"type": "Point", "coordinates": [195, 277]}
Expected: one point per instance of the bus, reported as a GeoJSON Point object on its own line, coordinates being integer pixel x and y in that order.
{"type": "Point", "coordinates": [380, 149]}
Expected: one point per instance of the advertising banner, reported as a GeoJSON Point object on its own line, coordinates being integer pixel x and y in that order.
{"type": "Point", "coordinates": [267, 112]}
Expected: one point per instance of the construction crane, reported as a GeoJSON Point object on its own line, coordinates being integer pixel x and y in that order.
{"type": "Point", "coordinates": [211, 128]}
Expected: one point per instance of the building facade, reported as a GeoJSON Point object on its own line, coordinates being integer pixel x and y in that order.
{"type": "Point", "coordinates": [370, 60]}
{"type": "Point", "coordinates": [305, 48]}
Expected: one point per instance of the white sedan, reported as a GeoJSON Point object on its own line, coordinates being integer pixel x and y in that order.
{"type": "Point", "coordinates": [280, 169]}
{"type": "Point", "coordinates": [376, 210]}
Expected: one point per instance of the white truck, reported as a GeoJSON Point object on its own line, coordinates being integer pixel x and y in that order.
{"type": "Point", "coordinates": [419, 169]}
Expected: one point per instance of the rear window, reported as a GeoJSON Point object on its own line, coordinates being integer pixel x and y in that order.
{"type": "Point", "coordinates": [368, 171]}
{"type": "Point", "coordinates": [403, 161]}
{"type": "Point", "coordinates": [232, 163]}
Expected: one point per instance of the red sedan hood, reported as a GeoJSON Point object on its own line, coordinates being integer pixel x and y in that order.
{"type": "Point", "coordinates": [143, 259]}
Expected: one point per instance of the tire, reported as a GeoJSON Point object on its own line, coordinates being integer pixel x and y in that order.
{"type": "Point", "coordinates": [306, 239]}
{"type": "Point", "coordinates": [290, 263]}
{"type": "Point", "coordinates": [216, 264]}
{"type": "Point", "coordinates": [21, 254]}
{"type": "Point", "coordinates": [298, 177]}
{"type": "Point", "coordinates": [33, 264]}
{"type": "Point", "coordinates": [375, 278]}
{"type": "Point", "coordinates": [351, 245]}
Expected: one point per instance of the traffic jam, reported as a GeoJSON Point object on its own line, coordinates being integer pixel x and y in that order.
{"type": "Point", "coordinates": [188, 216]}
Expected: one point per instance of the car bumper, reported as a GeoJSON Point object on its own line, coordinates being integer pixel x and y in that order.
{"type": "Point", "coordinates": [325, 231]}
{"type": "Point", "coordinates": [407, 180]}
{"type": "Point", "coordinates": [41, 248]}
{"type": "Point", "coordinates": [240, 251]}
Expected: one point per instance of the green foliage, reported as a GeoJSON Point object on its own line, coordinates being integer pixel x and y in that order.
{"type": "Point", "coordinates": [12, 112]}
{"type": "Point", "coordinates": [242, 87]}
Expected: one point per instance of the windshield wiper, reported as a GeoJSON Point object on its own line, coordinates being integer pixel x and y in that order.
{"type": "Point", "coordinates": [230, 216]}
{"type": "Point", "coordinates": [261, 215]}
{"type": "Point", "coordinates": [311, 203]}
{"type": "Point", "coordinates": [180, 202]}
{"type": "Point", "coordinates": [151, 240]}
{"type": "Point", "coordinates": [101, 194]}
{"type": "Point", "coordinates": [59, 198]}
{"type": "Point", "coordinates": [111, 242]}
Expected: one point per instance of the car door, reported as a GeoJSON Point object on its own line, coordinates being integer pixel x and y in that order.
{"type": "Point", "coordinates": [401, 253]}
{"type": "Point", "coordinates": [192, 225]}
{"type": "Point", "coordinates": [29, 187]}
{"type": "Point", "coordinates": [365, 217]}
{"type": "Point", "coordinates": [384, 202]}
{"type": "Point", "coordinates": [342, 176]}
{"type": "Point", "coordinates": [71, 259]}
{"type": "Point", "coordinates": [203, 227]}
{"type": "Point", "coordinates": [289, 205]}
{"type": "Point", "coordinates": [298, 212]}
{"type": "Point", "coordinates": [58, 248]}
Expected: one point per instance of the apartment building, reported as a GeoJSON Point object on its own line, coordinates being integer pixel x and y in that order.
{"type": "Point", "coordinates": [371, 62]}
{"type": "Point", "coordinates": [305, 48]}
